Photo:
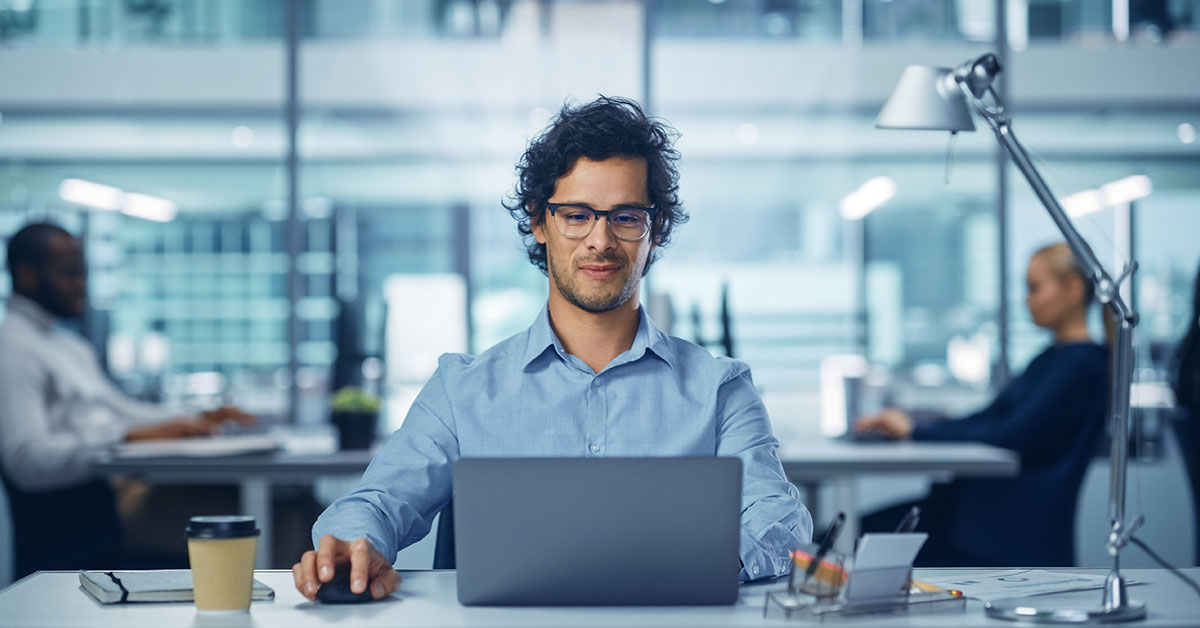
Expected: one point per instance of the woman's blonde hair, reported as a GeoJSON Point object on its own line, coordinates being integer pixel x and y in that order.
{"type": "Point", "coordinates": [1063, 263]}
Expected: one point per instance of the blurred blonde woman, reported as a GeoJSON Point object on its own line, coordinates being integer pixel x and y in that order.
{"type": "Point", "coordinates": [1052, 416]}
{"type": "Point", "coordinates": [1185, 379]}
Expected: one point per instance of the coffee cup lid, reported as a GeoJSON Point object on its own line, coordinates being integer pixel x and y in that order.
{"type": "Point", "coordinates": [221, 527]}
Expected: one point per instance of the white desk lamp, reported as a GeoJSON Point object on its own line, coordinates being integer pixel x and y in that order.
{"type": "Point", "coordinates": [937, 99]}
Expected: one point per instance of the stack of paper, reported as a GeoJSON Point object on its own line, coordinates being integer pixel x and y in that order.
{"type": "Point", "coordinates": [1018, 583]}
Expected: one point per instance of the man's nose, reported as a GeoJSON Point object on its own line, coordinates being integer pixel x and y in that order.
{"type": "Point", "coordinates": [601, 237]}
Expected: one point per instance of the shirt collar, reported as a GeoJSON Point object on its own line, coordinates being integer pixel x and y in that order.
{"type": "Point", "coordinates": [24, 306]}
{"type": "Point", "coordinates": [541, 338]}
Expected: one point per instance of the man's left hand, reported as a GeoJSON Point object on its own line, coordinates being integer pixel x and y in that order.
{"type": "Point", "coordinates": [170, 430]}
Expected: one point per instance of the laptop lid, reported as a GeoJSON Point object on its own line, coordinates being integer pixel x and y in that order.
{"type": "Point", "coordinates": [597, 531]}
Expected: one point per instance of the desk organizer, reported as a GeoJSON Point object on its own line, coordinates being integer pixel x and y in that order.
{"type": "Point", "coordinates": [830, 593]}
{"type": "Point", "coordinates": [801, 607]}
{"type": "Point", "coordinates": [826, 580]}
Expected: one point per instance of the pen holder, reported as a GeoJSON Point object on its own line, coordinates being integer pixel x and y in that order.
{"type": "Point", "coordinates": [825, 581]}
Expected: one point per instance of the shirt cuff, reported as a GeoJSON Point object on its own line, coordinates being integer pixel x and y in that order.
{"type": "Point", "coordinates": [347, 533]}
{"type": "Point", "coordinates": [765, 560]}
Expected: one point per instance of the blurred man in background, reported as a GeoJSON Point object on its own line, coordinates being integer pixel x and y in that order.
{"type": "Point", "coordinates": [59, 412]}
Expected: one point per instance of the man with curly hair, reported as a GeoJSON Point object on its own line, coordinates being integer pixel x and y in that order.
{"type": "Point", "coordinates": [596, 200]}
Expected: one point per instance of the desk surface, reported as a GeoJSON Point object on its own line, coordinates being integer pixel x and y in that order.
{"type": "Point", "coordinates": [427, 598]}
{"type": "Point", "coordinates": [810, 459]}
{"type": "Point", "coordinates": [277, 465]}
{"type": "Point", "coordinates": [821, 458]}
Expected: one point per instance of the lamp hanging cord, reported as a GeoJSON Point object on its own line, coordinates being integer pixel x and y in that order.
{"type": "Point", "coordinates": [951, 144]}
{"type": "Point", "coordinates": [1158, 559]}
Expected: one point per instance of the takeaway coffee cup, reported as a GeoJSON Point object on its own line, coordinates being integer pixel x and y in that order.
{"type": "Point", "coordinates": [221, 553]}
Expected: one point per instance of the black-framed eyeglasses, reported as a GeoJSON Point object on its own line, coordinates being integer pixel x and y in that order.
{"type": "Point", "coordinates": [625, 223]}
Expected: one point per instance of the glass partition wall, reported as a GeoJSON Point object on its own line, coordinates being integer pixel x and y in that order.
{"type": "Point", "coordinates": [412, 114]}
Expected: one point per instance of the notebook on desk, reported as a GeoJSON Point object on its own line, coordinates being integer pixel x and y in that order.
{"type": "Point", "coordinates": [167, 585]}
{"type": "Point", "coordinates": [591, 531]}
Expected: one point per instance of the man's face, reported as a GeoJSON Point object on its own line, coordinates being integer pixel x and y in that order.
{"type": "Point", "coordinates": [598, 272]}
{"type": "Point", "coordinates": [61, 286]}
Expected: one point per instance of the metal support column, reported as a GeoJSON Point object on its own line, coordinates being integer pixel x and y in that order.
{"type": "Point", "coordinates": [293, 235]}
{"type": "Point", "coordinates": [1001, 209]}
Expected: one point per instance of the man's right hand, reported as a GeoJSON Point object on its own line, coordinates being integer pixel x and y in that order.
{"type": "Point", "coordinates": [368, 568]}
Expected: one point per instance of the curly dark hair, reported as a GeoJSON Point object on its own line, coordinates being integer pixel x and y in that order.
{"type": "Point", "coordinates": [604, 128]}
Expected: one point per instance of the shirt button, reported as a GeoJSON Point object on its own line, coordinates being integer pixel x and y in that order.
{"type": "Point", "coordinates": [595, 448]}
{"type": "Point", "coordinates": [755, 571]}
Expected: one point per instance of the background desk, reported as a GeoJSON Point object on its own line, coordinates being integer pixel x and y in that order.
{"type": "Point", "coordinates": [814, 461]}
{"type": "Point", "coordinates": [428, 598]}
{"type": "Point", "coordinates": [254, 474]}
{"type": "Point", "coordinates": [809, 463]}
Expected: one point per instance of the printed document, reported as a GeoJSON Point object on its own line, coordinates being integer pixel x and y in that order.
{"type": "Point", "coordinates": [1017, 583]}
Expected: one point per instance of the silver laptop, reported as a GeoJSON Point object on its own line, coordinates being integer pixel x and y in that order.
{"type": "Point", "coordinates": [597, 531]}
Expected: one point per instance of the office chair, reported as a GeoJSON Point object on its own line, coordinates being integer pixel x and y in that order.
{"type": "Point", "coordinates": [443, 549]}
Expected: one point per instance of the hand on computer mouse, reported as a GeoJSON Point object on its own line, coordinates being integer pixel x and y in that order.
{"type": "Point", "coordinates": [337, 590]}
{"type": "Point", "coordinates": [369, 571]}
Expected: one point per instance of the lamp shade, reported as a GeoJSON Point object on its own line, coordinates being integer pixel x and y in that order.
{"type": "Point", "coordinates": [926, 98]}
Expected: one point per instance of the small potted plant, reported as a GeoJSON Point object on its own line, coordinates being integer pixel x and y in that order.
{"type": "Point", "coordinates": [356, 416]}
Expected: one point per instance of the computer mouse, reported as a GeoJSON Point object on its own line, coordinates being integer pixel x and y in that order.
{"type": "Point", "coordinates": [337, 590]}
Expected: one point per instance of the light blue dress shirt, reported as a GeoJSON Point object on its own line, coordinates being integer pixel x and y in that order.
{"type": "Point", "coordinates": [527, 397]}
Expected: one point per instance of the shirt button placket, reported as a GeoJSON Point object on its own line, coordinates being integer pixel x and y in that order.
{"type": "Point", "coordinates": [595, 423]}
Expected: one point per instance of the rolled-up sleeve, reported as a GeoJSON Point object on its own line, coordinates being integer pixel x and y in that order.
{"type": "Point", "coordinates": [408, 481]}
{"type": "Point", "coordinates": [774, 520]}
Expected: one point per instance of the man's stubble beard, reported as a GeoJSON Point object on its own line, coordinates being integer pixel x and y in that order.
{"type": "Point", "coordinates": [55, 303]}
{"type": "Point", "coordinates": [564, 278]}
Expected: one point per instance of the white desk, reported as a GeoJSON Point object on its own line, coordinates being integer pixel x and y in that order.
{"type": "Point", "coordinates": [428, 598]}
{"type": "Point", "coordinates": [808, 462]}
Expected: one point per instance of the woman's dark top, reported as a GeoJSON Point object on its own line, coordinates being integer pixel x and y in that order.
{"type": "Point", "coordinates": [1186, 376]}
{"type": "Point", "coordinates": [1053, 416]}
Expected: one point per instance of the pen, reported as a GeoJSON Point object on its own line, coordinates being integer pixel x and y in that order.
{"type": "Point", "coordinates": [830, 573]}
{"type": "Point", "coordinates": [932, 588]}
{"type": "Point", "coordinates": [909, 522]}
{"type": "Point", "coordinates": [831, 534]}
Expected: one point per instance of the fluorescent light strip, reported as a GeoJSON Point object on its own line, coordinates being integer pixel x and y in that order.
{"type": "Point", "coordinates": [148, 207]}
{"type": "Point", "coordinates": [106, 197]}
{"type": "Point", "coordinates": [1127, 190]}
{"type": "Point", "coordinates": [875, 192]}
{"type": "Point", "coordinates": [1118, 192]}
{"type": "Point", "coordinates": [1083, 203]}
{"type": "Point", "coordinates": [91, 194]}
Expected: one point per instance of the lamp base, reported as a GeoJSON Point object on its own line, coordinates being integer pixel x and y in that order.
{"type": "Point", "coordinates": [1051, 611]}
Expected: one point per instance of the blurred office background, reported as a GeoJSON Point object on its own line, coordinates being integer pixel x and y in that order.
{"type": "Point", "coordinates": [341, 223]}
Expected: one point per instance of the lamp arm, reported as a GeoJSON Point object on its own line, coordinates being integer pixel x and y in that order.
{"type": "Point", "coordinates": [1108, 292]}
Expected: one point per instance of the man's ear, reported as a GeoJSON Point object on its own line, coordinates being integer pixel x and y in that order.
{"type": "Point", "coordinates": [537, 224]}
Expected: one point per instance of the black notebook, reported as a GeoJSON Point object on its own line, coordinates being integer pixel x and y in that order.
{"type": "Point", "coordinates": [168, 585]}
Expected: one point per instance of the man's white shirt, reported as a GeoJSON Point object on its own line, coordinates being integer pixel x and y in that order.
{"type": "Point", "coordinates": [59, 412]}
